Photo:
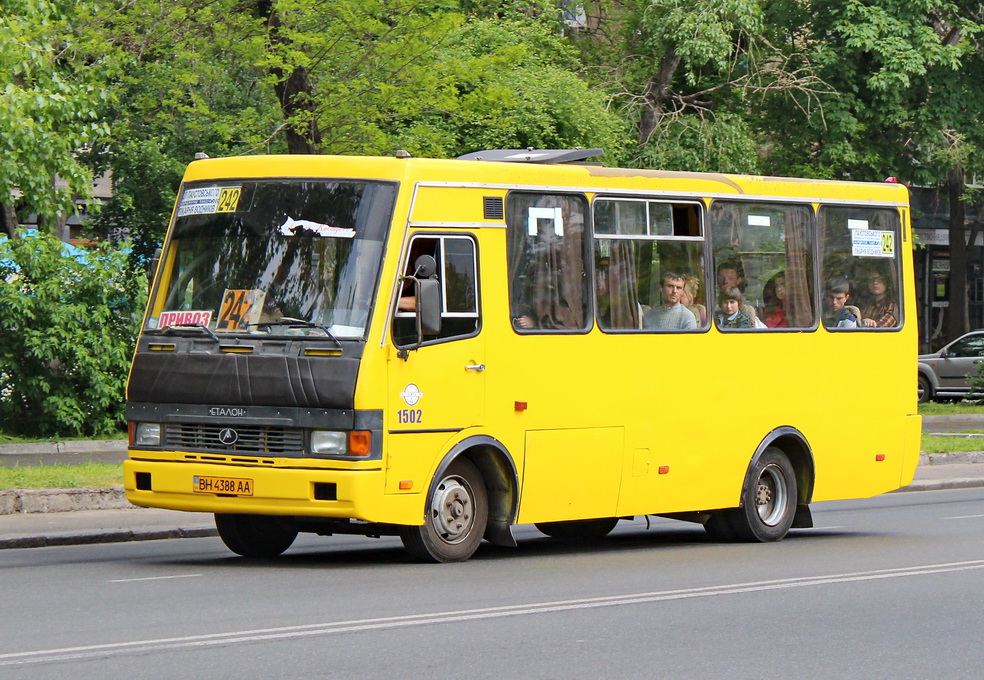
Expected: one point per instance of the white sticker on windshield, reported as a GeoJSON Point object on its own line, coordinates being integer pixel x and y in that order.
{"type": "Point", "coordinates": [290, 227]}
{"type": "Point", "coordinates": [209, 201]}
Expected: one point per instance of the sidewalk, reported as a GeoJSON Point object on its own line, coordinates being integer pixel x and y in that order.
{"type": "Point", "coordinates": [34, 518]}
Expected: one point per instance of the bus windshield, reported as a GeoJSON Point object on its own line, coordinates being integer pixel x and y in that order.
{"type": "Point", "coordinates": [286, 257]}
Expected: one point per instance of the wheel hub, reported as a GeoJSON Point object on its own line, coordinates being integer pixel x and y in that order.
{"type": "Point", "coordinates": [452, 510]}
{"type": "Point", "coordinates": [770, 495]}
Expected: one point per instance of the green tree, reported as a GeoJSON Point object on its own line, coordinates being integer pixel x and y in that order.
{"type": "Point", "coordinates": [67, 326]}
{"type": "Point", "coordinates": [512, 82]}
{"type": "Point", "coordinates": [51, 106]}
{"type": "Point", "coordinates": [687, 75]}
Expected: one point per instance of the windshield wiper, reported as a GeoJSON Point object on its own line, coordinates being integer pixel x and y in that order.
{"type": "Point", "coordinates": [180, 326]}
{"type": "Point", "coordinates": [291, 322]}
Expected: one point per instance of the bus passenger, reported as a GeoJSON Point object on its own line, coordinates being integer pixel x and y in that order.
{"type": "Point", "coordinates": [774, 295]}
{"type": "Point", "coordinates": [730, 313]}
{"type": "Point", "coordinates": [880, 309]}
{"type": "Point", "coordinates": [691, 287]}
{"type": "Point", "coordinates": [731, 274]}
{"type": "Point", "coordinates": [671, 314]}
{"type": "Point", "coordinates": [838, 292]}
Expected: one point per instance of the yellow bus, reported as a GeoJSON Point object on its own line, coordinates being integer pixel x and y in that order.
{"type": "Point", "coordinates": [442, 349]}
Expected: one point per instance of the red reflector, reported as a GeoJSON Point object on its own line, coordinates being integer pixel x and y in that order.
{"type": "Point", "coordinates": [520, 406]}
{"type": "Point", "coordinates": [664, 469]}
{"type": "Point", "coordinates": [879, 457]}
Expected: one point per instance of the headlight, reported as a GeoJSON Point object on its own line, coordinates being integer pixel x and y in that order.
{"type": "Point", "coordinates": [329, 443]}
{"type": "Point", "coordinates": [147, 434]}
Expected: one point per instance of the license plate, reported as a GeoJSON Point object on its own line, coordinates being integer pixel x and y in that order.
{"type": "Point", "coordinates": [234, 486]}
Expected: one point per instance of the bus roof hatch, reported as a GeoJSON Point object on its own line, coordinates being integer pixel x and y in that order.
{"type": "Point", "coordinates": [533, 155]}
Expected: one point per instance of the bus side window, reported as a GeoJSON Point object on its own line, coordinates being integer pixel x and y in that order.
{"type": "Point", "coordinates": [457, 274]}
{"type": "Point", "coordinates": [546, 250]}
{"type": "Point", "coordinates": [637, 244]}
{"type": "Point", "coordinates": [764, 251]}
{"type": "Point", "coordinates": [861, 245]}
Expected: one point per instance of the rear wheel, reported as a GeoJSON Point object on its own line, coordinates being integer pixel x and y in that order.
{"type": "Point", "coordinates": [579, 530]}
{"type": "Point", "coordinates": [457, 512]}
{"type": "Point", "coordinates": [255, 535]}
{"type": "Point", "coordinates": [925, 390]}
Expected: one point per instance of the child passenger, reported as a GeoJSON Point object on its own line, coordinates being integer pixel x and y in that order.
{"type": "Point", "coordinates": [729, 313]}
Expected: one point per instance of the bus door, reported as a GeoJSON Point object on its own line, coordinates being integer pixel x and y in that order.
{"type": "Point", "coordinates": [438, 389]}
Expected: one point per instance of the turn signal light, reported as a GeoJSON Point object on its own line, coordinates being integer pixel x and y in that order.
{"type": "Point", "coordinates": [359, 442]}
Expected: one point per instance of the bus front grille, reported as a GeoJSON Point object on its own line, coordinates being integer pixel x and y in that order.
{"type": "Point", "coordinates": [244, 439]}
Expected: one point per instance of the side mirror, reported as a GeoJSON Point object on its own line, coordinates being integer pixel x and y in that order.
{"type": "Point", "coordinates": [427, 292]}
{"type": "Point", "coordinates": [429, 305]}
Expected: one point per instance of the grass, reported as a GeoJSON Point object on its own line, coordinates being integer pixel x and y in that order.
{"type": "Point", "coordinates": [98, 475]}
{"type": "Point", "coordinates": [950, 409]}
{"type": "Point", "coordinates": [13, 439]}
{"type": "Point", "coordinates": [932, 444]}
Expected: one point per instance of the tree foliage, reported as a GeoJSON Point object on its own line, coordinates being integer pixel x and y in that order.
{"type": "Point", "coordinates": [52, 103]}
{"type": "Point", "coordinates": [67, 328]}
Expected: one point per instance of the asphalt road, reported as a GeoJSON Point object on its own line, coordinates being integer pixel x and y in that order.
{"type": "Point", "coordinates": [887, 587]}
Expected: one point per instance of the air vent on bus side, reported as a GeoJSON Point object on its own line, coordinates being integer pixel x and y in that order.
{"type": "Point", "coordinates": [493, 207]}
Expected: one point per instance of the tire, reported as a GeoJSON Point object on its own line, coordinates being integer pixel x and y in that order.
{"type": "Point", "coordinates": [925, 390]}
{"type": "Point", "coordinates": [579, 530]}
{"type": "Point", "coordinates": [768, 503]}
{"type": "Point", "coordinates": [255, 535]}
{"type": "Point", "coordinates": [457, 513]}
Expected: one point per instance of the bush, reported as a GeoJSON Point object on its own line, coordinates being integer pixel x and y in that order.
{"type": "Point", "coordinates": [67, 330]}
{"type": "Point", "coordinates": [976, 379]}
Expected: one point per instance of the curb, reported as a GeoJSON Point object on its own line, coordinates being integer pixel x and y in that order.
{"type": "Point", "coordinates": [93, 537]}
{"type": "Point", "coordinates": [23, 501]}
{"type": "Point", "coordinates": [69, 447]}
{"type": "Point", "coordinates": [942, 484]}
{"type": "Point", "coordinates": [959, 457]}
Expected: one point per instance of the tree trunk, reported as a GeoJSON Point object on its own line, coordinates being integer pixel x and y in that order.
{"type": "Point", "coordinates": [958, 317]}
{"type": "Point", "coordinates": [9, 216]}
{"type": "Point", "coordinates": [294, 92]}
{"type": "Point", "coordinates": [655, 97]}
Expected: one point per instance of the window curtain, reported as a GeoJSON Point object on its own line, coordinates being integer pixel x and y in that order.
{"type": "Point", "coordinates": [798, 301]}
{"type": "Point", "coordinates": [622, 280]}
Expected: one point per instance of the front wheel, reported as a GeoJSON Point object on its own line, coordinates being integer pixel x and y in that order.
{"type": "Point", "coordinates": [457, 512]}
{"type": "Point", "coordinates": [768, 504]}
{"type": "Point", "coordinates": [255, 535]}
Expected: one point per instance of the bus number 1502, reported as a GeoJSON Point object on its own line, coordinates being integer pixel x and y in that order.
{"type": "Point", "coordinates": [410, 415]}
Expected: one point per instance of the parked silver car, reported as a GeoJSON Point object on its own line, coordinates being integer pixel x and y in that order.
{"type": "Point", "coordinates": [946, 374]}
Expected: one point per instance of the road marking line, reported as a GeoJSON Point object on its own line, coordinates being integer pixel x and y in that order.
{"type": "Point", "coordinates": [153, 578]}
{"type": "Point", "coordinates": [439, 618]}
{"type": "Point", "coordinates": [964, 517]}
